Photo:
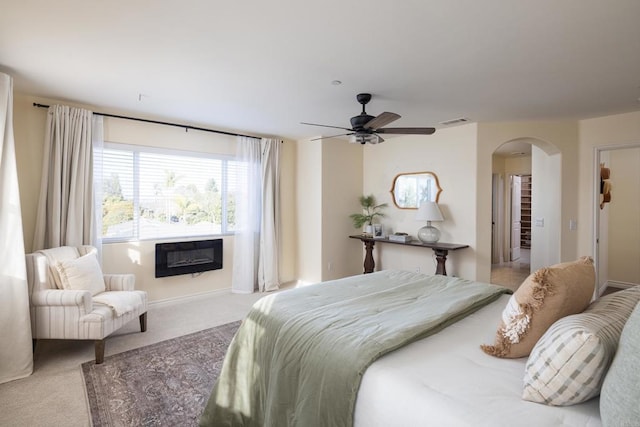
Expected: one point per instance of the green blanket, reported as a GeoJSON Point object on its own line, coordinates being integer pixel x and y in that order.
{"type": "Point", "coordinates": [299, 355]}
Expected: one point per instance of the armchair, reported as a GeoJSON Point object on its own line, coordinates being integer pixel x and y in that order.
{"type": "Point", "coordinates": [71, 299]}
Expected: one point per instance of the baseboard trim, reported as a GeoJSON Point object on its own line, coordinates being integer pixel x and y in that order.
{"type": "Point", "coordinates": [620, 285]}
{"type": "Point", "coordinates": [199, 295]}
{"type": "Point", "coordinates": [187, 298]}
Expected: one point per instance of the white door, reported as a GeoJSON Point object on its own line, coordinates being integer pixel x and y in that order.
{"type": "Point", "coordinates": [516, 223]}
{"type": "Point", "coordinates": [497, 221]}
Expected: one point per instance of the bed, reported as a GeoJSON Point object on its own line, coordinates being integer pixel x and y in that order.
{"type": "Point", "coordinates": [446, 380]}
{"type": "Point", "coordinates": [290, 363]}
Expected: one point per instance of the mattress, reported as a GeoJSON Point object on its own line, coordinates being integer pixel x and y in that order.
{"type": "Point", "coordinates": [446, 380]}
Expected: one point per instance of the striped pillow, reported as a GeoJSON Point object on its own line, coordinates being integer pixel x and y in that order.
{"type": "Point", "coordinates": [620, 392]}
{"type": "Point", "coordinates": [569, 363]}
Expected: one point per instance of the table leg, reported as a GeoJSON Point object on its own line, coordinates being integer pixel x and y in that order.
{"type": "Point", "coordinates": [441, 256]}
{"type": "Point", "coordinates": [369, 263]}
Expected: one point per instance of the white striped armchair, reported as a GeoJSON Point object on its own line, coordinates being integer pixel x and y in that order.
{"type": "Point", "coordinates": [71, 299]}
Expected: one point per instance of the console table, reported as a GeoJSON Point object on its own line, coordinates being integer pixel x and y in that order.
{"type": "Point", "coordinates": [441, 250]}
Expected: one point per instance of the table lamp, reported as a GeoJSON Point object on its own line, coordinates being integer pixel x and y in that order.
{"type": "Point", "coordinates": [429, 211]}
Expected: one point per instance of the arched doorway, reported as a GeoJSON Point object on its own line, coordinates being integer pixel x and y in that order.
{"type": "Point", "coordinates": [525, 209]}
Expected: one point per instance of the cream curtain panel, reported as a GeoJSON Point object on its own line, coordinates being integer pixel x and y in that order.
{"type": "Point", "coordinates": [66, 205]}
{"type": "Point", "coordinates": [16, 357]}
{"type": "Point", "coordinates": [268, 272]}
{"type": "Point", "coordinates": [256, 243]}
{"type": "Point", "coordinates": [246, 246]}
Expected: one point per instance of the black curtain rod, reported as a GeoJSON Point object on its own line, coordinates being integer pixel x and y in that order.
{"type": "Point", "coordinates": [137, 119]}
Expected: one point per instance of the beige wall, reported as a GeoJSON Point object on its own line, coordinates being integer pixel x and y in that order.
{"type": "Point", "coordinates": [546, 211]}
{"type": "Point", "coordinates": [138, 257]}
{"type": "Point", "coordinates": [29, 127]}
{"type": "Point", "coordinates": [520, 165]}
{"type": "Point", "coordinates": [601, 132]}
{"type": "Point", "coordinates": [497, 165]}
{"type": "Point", "coordinates": [462, 159]}
{"type": "Point", "coordinates": [329, 184]}
{"type": "Point", "coordinates": [309, 210]}
{"type": "Point", "coordinates": [322, 180]}
{"type": "Point", "coordinates": [604, 134]}
{"type": "Point", "coordinates": [341, 188]}
{"type": "Point", "coordinates": [552, 137]}
{"type": "Point", "coordinates": [451, 155]}
{"type": "Point", "coordinates": [624, 217]}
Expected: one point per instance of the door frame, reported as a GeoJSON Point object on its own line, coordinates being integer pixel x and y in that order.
{"type": "Point", "coordinates": [497, 219]}
{"type": "Point", "coordinates": [595, 202]}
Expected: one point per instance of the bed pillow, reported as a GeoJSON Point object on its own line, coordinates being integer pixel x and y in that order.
{"type": "Point", "coordinates": [620, 392]}
{"type": "Point", "coordinates": [569, 363]}
{"type": "Point", "coordinates": [544, 297]}
{"type": "Point", "coordinates": [83, 273]}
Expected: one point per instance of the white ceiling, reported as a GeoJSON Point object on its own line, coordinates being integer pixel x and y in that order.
{"type": "Point", "coordinates": [261, 67]}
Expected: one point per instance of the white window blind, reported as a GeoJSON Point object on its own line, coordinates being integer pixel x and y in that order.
{"type": "Point", "coordinates": [151, 193]}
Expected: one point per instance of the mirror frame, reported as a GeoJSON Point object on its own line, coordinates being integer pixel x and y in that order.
{"type": "Point", "coordinates": [393, 186]}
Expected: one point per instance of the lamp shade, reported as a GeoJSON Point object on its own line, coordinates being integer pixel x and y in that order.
{"type": "Point", "coordinates": [429, 211]}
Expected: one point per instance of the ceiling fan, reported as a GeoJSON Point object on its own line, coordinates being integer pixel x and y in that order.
{"type": "Point", "coordinates": [366, 129]}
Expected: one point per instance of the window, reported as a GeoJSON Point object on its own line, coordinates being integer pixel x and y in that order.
{"type": "Point", "coordinates": [150, 193]}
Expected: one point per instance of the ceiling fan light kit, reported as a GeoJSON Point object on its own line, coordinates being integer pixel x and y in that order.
{"type": "Point", "coordinates": [365, 128]}
{"type": "Point", "coordinates": [371, 138]}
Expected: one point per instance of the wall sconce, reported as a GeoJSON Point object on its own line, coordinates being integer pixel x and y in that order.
{"type": "Point", "coordinates": [429, 211]}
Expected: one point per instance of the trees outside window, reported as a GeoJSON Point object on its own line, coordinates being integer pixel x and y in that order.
{"type": "Point", "coordinates": [151, 193]}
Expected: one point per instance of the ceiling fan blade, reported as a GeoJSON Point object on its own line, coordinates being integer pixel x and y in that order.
{"type": "Point", "coordinates": [383, 119]}
{"type": "Point", "coordinates": [325, 126]}
{"type": "Point", "coordinates": [332, 136]}
{"type": "Point", "coordinates": [407, 131]}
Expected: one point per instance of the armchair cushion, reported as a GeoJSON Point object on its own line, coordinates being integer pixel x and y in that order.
{"type": "Point", "coordinates": [120, 302]}
{"type": "Point", "coordinates": [83, 273]}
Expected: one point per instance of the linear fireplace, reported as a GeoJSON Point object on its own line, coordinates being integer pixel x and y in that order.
{"type": "Point", "coordinates": [196, 256]}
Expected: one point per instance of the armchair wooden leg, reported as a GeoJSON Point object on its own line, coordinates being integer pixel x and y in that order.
{"type": "Point", "coordinates": [34, 341]}
{"type": "Point", "coordinates": [99, 351]}
{"type": "Point", "coordinates": [143, 322]}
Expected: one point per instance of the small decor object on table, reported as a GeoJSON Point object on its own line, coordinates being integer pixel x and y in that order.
{"type": "Point", "coordinates": [400, 237]}
{"type": "Point", "coordinates": [370, 210]}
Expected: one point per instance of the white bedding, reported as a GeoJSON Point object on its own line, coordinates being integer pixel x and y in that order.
{"type": "Point", "coordinates": [446, 380]}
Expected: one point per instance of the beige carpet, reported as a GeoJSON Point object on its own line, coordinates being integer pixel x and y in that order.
{"type": "Point", "coordinates": [55, 394]}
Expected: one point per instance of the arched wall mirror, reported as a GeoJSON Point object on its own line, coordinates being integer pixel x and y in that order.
{"type": "Point", "coordinates": [409, 190]}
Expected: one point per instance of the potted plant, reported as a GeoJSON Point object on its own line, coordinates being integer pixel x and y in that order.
{"type": "Point", "coordinates": [370, 210]}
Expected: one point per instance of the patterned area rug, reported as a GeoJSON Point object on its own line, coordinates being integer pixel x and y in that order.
{"type": "Point", "coordinates": [163, 384]}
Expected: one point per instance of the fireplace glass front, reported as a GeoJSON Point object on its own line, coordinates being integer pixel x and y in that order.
{"type": "Point", "coordinates": [188, 257]}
